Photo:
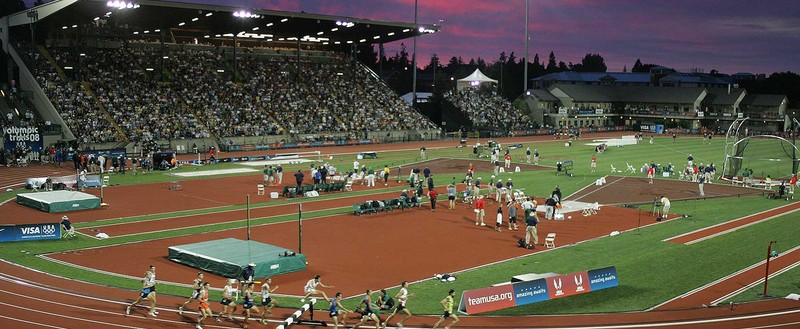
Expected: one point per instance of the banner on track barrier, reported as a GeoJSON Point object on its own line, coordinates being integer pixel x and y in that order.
{"type": "Point", "coordinates": [29, 232]}
{"type": "Point", "coordinates": [527, 292]}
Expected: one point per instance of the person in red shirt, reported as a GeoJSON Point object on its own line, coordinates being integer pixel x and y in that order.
{"type": "Point", "coordinates": [651, 172]}
{"type": "Point", "coordinates": [792, 183]}
{"type": "Point", "coordinates": [480, 211]}
{"type": "Point", "coordinates": [508, 160]}
{"type": "Point", "coordinates": [432, 195]}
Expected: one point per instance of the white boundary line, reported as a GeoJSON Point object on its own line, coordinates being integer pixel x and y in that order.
{"type": "Point", "coordinates": [599, 189]}
{"type": "Point", "coordinates": [13, 279]}
{"type": "Point", "coordinates": [706, 286]}
{"type": "Point", "coordinates": [731, 221]}
{"type": "Point", "coordinates": [754, 283]}
{"type": "Point", "coordinates": [30, 322]}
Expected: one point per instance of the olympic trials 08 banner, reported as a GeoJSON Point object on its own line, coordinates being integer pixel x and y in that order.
{"type": "Point", "coordinates": [527, 292]}
{"type": "Point", "coordinates": [24, 137]}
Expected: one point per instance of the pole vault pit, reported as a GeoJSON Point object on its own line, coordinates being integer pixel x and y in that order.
{"type": "Point", "coordinates": [227, 257]}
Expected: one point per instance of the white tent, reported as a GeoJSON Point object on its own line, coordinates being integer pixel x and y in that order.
{"type": "Point", "coordinates": [477, 78]}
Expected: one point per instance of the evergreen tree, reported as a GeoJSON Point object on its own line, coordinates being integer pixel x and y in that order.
{"type": "Point", "coordinates": [551, 63]}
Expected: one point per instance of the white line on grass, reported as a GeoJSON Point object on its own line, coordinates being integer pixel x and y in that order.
{"type": "Point", "coordinates": [715, 282]}
{"type": "Point", "coordinates": [731, 221]}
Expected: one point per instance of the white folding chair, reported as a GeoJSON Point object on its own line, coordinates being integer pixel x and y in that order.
{"type": "Point", "coordinates": [349, 185]}
{"type": "Point", "coordinates": [260, 189]}
{"type": "Point", "coordinates": [631, 169]}
{"type": "Point", "coordinates": [106, 180]}
{"type": "Point", "coordinates": [614, 169]}
{"type": "Point", "coordinates": [550, 240]}
{"type": "Point", "coordinates": [67, 232]}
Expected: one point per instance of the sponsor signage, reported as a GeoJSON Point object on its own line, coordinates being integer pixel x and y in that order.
{"type": "Point", "coordinates": [28, 138]}
{"type": "Point", "coordinates": [527, 292]}
{"type": "Point", "coordinates": [29, 232]}
{"type": "Point", "coordinates": [488, 299]}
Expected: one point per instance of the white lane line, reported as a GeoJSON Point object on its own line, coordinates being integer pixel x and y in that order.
{"type": "Point", "coordinates": [30, 322]}
{"type": "Point", "coordinates": [64, 315]}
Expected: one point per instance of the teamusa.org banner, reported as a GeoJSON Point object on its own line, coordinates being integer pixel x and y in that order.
{"type": "Point", "coordinates": [527, 292]}
{"type": "Point", "coordinates": [30, 232]}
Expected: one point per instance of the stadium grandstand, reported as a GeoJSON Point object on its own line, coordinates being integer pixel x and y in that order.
{"type": "Point", "coordinates": [117, 74]}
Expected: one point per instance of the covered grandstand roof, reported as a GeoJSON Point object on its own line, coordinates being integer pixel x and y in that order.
{"type": "Point", "coordinates": [596, 77]}
{"type": "Point", "coordinates": [718, 96]}
{"type": "Point", "coordinates": [627, 94]}
{"type": "Point", "coordinates": [764, 100]}
{"type": "Point", "coordinates": [147, 17]}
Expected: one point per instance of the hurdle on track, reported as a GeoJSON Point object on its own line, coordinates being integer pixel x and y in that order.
{"type": "Point", "coordinates": [295, 317]}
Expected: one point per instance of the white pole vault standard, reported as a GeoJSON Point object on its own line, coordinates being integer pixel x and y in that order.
{"type": "Point", "coordinates": [295, 317]}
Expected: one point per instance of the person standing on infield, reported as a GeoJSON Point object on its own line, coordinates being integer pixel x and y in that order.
{"type": "Point", "coordinates": [447, 304]}
{"type": "Point", "coordinates": [204, 308]}
{"type": "Point", "coordinates": [197, 285]}
{"type": "Point", "coordinates": [432, 196]}
{"type": "Point", "coordinates": [402, 298]}
{"type": "Point", "coordinates": [665, 210]}
{"type": "Point", "coordinates": [530, 231]}
{"type": "Point", "coordinates": [480, 211]}
{"type": "Point", "coordinates": [148, 292]}
{"type": "Point", "coordinates": [311, 288]}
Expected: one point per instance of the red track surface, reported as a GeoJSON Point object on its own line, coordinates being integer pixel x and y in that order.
{"type": "Point", "coordinates": [351, 253]}
{"type": "Point", "coordinates": [352, 239]}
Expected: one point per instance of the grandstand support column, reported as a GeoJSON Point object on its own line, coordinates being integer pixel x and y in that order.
{"type": "Point", "coordinates": [298, 61]}
{"type": "Point", "coordinates": [163, 53]}
{"type": "Point", "coordinates": [235, 58]}
{"type": "Point", "coordinates": [414, 59]}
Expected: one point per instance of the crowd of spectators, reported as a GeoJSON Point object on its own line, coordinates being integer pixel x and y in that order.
{"type": "Point", "coordinates": [332, 95]}
{"type": "Point", "coordinates": [203, 79]}
{"type": "Point", "coordinates": [486, 108]}
{"type": "Point", "coordinates": [75, 104]}
{"type": "Point", "coordinates": [144, 108]}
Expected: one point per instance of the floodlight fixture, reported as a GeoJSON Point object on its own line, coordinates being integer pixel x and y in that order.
{"type": "Point", "coordinates": [181, 23]}
{"type": "Point", "coordinates": [195, 19]}
{"type": "Point", "coordinates": [376, 37]}
{"type": "Point", "coordinates": [284, 20]}
{"type": "Point", "coordinates": [320, 33]}
{"type": "Point", "coordinates": [270, 24]}
{"type": "Point", "coordinates": [390, 34]}
{"type": "Point", "coordinates": [209, 14]}
{"type": "Point", "coordinates": [334, 29]}
{"type": "Point", "coordinates": [406, 30]}
{"type": "Point", "coordinates": [362, 40]}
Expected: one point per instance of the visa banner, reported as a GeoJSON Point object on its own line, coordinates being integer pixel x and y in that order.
{"type": "Point", "coordinates": [30, 232]}
{"type": "Point", "coordinates": [527, 292]}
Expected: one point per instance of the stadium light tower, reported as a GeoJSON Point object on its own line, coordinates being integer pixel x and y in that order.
{"type": "Point", "coordinates": [414, 60]}
{"type": "Point", "coordinates": [525, 77]}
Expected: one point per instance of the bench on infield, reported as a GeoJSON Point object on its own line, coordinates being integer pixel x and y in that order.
{"type": "Point", "coordinates": [363, 208]}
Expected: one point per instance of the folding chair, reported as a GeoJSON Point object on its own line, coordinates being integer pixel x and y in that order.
{"type": "Point", "coordinates": [67, 230]}
{"type": "Point", "coordinates": [349, 185]}
{"type": "Point", "coordinates": [550, 240]}
{"type": "Point", "coordinates": [260, 189]}
{"type": "Point", "coordinates": [106, 180]}
{"type": "Point", "coordinates": [630, 169]}
{"type": "Point", "coordinates": [614, 169]}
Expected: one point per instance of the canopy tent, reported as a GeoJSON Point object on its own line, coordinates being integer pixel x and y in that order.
{"type": "Point", "coordinates": [477, 78]}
